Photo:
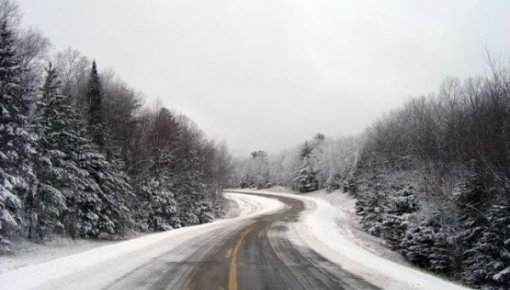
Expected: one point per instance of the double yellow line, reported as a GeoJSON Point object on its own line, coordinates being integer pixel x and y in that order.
{"type": "Point", "coordinates": [232, 254]}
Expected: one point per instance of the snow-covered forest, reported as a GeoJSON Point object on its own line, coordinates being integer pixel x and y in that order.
{"type": "Point", "coordinates": [432, 178]}
{"type": "Point", "coordinates": [81, 157]}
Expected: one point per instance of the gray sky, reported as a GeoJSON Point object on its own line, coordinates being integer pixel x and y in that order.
{"type": "Point", "coordinates": [268, 74]}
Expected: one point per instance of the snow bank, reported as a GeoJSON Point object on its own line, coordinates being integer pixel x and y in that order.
{"type": "Point", "coordinates": [29, 253]}
{"type": "Point", "coordinates": [133, 252]}
{"type": "Point", "coordinates": [318, 229]}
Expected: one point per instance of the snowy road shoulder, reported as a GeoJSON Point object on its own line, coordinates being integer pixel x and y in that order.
{"type": "Point", "coordinates": [318, 229]}
{"type": "Point", "coordinates": [131, 253]}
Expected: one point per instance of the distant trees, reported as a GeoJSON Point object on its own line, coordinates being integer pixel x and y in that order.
{"type": "Point", "coordinates": [318, 163]}
{"type": "Point", "coordinates": [256, 171]}
{"type": "Point", "coordinates": [80, 157]}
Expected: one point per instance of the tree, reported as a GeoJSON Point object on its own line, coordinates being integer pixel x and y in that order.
{"type": "Point", "coordinates": [305, 179]}
{"type": "Point", "coordinates": [256, 171]}
{"type": "Point", "coordinates": [426, 245]}
{"type": "Point", "coordinates": [120, 108]}
{"type": "Point", "coordinates": [74, 70]}
{"type": "Point", "coordinates": [45, 202]}
{"type": "Point", "coordinates": [487, 260]}
{"type": "Point", "coordinates": [95, 107]}
{"type": "Point", "coordinates": [77, 188]}
{"type": "Point", "coordinates": [158, 208]}
{"type": "Point", "coordinates": [16, 144]}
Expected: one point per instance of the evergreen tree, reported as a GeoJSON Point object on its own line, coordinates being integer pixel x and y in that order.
{"type": "Point", "coordinates": [95, 107]}
{"type": "Point", "coordinates": [46, 202]}
{"type": "Point", "coordinates": [305, 179]}
{"type": "Point", "coordinates": [158, 208]}
{"type": "Point", "coordinates": [426, 245]}
{"type": "Point", "coordinates": [63, 143]}
{"type": "Point", "coordinates": [16, 144]}
{"type": "Point", "coordinates": [110, 217]}
{"type": "Point", "coordinates": [487, 260]}
{"type": "Point", "coordinates": [71, 168]}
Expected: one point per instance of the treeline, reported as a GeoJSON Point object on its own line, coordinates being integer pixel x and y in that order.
{"type": "Point", "coordinates": [317, 163]}
{"type": "Point", "coordinates": [431, 178]}
{"type": "Point", "coordinates": [434, 180]}
{"type": "Point", "coordinates": [81, 157]}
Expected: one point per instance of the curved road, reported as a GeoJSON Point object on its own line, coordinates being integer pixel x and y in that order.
{"type": "Point", "coordinates": [250, 252]}
{"type": "Point", "coordinates": [257, 254]}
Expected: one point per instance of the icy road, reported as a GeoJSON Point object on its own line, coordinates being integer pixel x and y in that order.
{"type": "Point", "coordinates": [279, 241]}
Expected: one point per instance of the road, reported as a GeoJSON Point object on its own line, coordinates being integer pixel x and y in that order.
{"type": "Point", "coordinates": [278, 241]}
{"type": "Point", "coordinates": [256, 255]}
{"type": "Point", "coordinates": [252, 252]}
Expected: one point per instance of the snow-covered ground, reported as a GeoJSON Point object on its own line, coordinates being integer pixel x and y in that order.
{"type": "Point", "coordinates": [29, 253]}
{"type": "Point", "coordinates": [40, 267]}
{"type": "Point", "coordinates": [329, 226]}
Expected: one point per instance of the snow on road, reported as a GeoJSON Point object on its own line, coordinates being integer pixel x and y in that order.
{"type": "Point", "coordinates": [129, 254]}
{"type": "Point", "coordinates": [321, 229]}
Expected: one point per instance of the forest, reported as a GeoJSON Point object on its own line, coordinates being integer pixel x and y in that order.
{"type": "Point", "coordinates": [432, 178]}
{"type": "Point", "coordinates": [82, 157]}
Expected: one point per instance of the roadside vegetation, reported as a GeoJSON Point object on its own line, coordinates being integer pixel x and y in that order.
{"type": "Point", "coordinates": [432, 178]}
{"type": "Point", "coordinates": [81, 157]}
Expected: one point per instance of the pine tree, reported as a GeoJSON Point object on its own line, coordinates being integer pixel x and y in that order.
{"type": "Point", "coordinates": [95, 193]}
{"type": "Point", "coordinates": [487, 261]}
{"type": "Point", "coordinates": [426, 245]}
{"type": "Point", "coordinates": [95, 107]}
{"type": "Point", "coordinates": [64, 139]}
{"type": "Point", "coordinates": [16, 144]}
{"type": "Point", "coordinates": [305, 179]}
{"type": "Point", "coordinates": [45, 204]}
{"type": "Point", "coordinates": [110, 217]}
{"type": "Point", "coordinates": [158, 208]}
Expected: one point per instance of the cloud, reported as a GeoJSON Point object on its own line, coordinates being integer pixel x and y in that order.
{"type": "Point", "coordinates": [268, 74]}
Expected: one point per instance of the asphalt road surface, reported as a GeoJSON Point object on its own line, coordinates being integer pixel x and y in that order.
{"type": "Point", "coordinates": [257, 254]}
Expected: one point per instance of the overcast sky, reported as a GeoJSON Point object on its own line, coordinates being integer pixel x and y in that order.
{"type": "Point", "coordinates": [268, 74]}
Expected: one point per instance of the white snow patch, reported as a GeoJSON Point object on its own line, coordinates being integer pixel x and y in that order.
{"type": "Point", "coordinates": [29, 253]}
{"type": "Point", "coordinates": [318, 229]}
{"type": "Point", "coordinates": [129, 254]}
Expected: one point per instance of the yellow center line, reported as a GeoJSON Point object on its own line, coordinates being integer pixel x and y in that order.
{"type": "Point", "coordinates": [228, 254]}
{"type": "Point", "coordinates": [232, 272]}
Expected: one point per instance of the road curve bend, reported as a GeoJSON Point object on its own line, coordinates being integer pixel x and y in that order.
{"type": "Point", "coordinates": [250, 252]}
{"type": "Point", "coordinates": [257, 255]}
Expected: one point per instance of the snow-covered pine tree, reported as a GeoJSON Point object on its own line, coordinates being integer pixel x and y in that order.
{"type": "Point", "coordinates": [386, 211]}
{"type": "Point", "coordinates": [305, 179]}
{"type": "Point", "coordinates": [499, 266]}
{"type": "Point", "coordinates": [16, 144]}
{"type": "Point", "coordinates": [475, 228]}
{"type": "Point", "coordinates": [46, 203]}
{"type": "Point", "coordinates": [96, 194]}
{"type": "Point", "coordinates": [487, 261]}
{"type": "Point", "coordinates": [188, 185]}
{"type": "Point", "coordinates": [426, 244]}
{"type": "Point", "coordinates": [111, 218]}
{"type": "Point", "coordinates": [158, 208]}
{"type": "Point", "coordinates": [63, 137]}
